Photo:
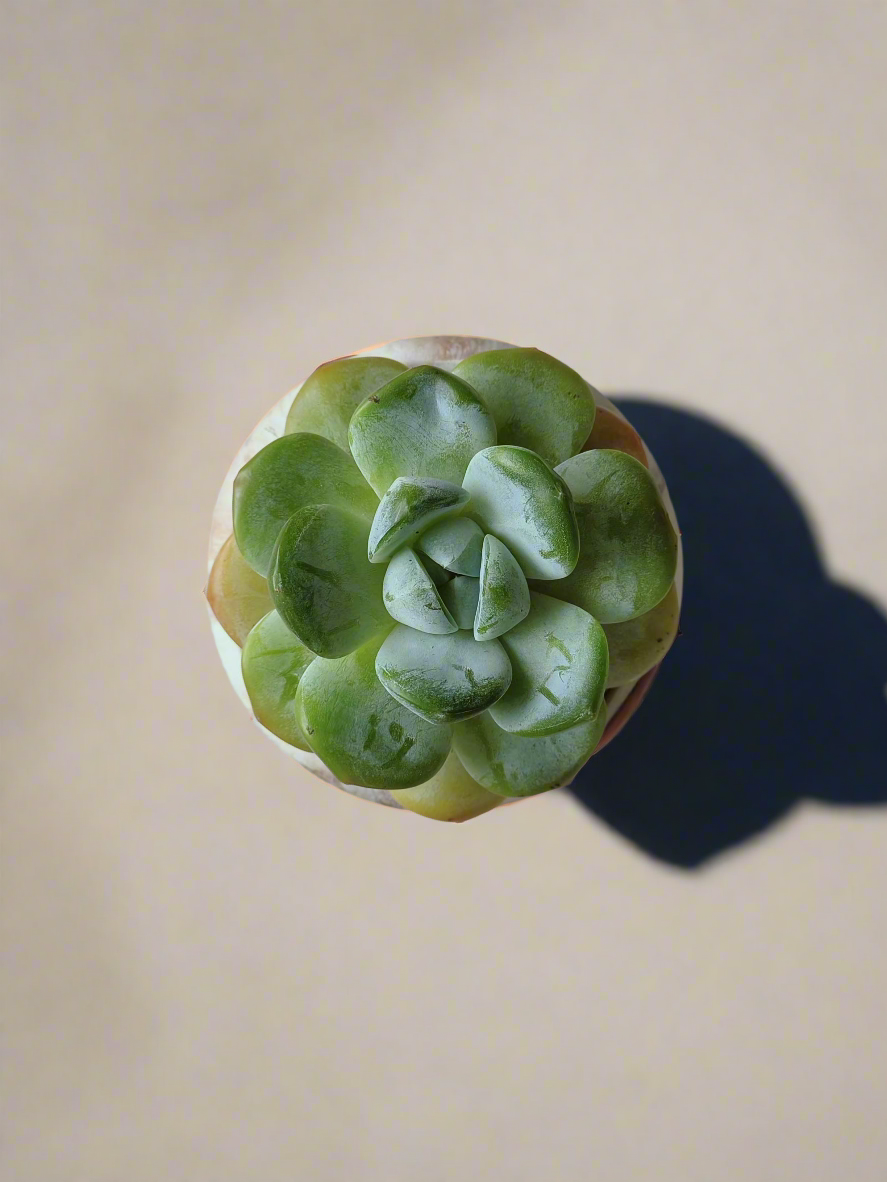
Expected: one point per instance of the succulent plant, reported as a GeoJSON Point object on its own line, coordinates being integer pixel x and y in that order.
{"type": "Point", "coordinates": [437, 573]}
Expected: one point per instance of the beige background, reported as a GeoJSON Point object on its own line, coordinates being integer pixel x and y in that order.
{"type": "Point", "coordinates": [218, 970]}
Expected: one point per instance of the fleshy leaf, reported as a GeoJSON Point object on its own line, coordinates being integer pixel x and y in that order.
{"type": "Point", "coordinates": [615, 434]}
{"type": "Point", "coordinates": [629, 548]}
{"type": "Point", "coordinates": [456, 544]}
{"type": "Point", "coordinates": [411, 597]}
{"type": "Point", "coordinates": [273, 662]}
{"type": "Point", "coordinates": [516, 765]}
{"type": "Point", "coordinates": [460, 596]}
{"type": "Point", "coordinates": [451, 795]}
{"type": "Point", "coordinates": [519, 499]}
{"type": "Point", "coordinates": [334, 391]}
{"type": "Point", "coordinates": [408, 507]}
{"type": "Point", "coordinates": [559, 661]}
{"type": "Point", "coordinates": [238, 596]}
{"type": "Point", "coordinates": [287, 475]}
{"type": "Point", "coordinates": [536, 400]}
{"type": "Point", "coordinates": [322, 584]}
{"type": "Point", "coordinates": [424, 423]}
{"type": "Point", "coordinates": [442, 678]}
{"type": "Point", "coordinates": [504, 598]}
{"type": "Point", "coordinates": [358, 729]}
{"type": "Point", "coordinates": [639, 644]}
{"type": "Point", "coordinates": [439, 576]}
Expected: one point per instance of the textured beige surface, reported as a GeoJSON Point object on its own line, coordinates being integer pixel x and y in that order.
{"type": "Point", "coordinates": [214, 969]}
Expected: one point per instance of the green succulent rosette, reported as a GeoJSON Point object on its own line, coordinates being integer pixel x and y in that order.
{"type": "Point", "coordinates": [430, 570]}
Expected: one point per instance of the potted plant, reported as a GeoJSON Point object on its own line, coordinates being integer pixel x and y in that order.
{"type": "Point", "coordinates": [443, 573]}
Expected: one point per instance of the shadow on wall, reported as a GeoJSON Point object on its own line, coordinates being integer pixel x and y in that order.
{"type": "Point", "coordinates": [774, 692]}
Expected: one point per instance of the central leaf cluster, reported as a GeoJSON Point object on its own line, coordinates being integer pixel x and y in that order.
{"type": "Point", "coordinates": [456, 556]}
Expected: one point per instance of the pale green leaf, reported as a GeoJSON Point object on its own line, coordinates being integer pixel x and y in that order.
{"type": "Point", "coordinates": [408, 507]}
{"type": "Point", "coordinates": [450, 795]}
{"type": "Point", "coordinates": [329, 398]}
{"type": "Point", "coordinates": [515, 765]}
{"type": "Point", "coordinates": [425, 423]}
{"type": "Point", "coordinates": [442, 678]}
{"type": "Point", "coordinates": [519, 499]}
{"type": "Point", "coordinates": [504, 598]}
{"type": "Point", "coordinates": [439, 576]}
{"type": "Point", "coordinates": [411, 597]}
{"type": "Point", "coordinates": [460, 596]}
{"type": "Point", "coordinates": [456, 544]}
{"type": "Point", "coordinates": [559, 661]}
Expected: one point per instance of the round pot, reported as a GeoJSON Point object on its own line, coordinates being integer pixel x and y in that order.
{"type": "Point", "coordinates": [445, 352]}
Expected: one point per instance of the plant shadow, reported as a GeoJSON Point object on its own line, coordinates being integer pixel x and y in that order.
{"type": "Point", "coordinates": [775, 690]}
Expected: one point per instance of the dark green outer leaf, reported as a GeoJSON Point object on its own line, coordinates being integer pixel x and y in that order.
{"type": "Point", "coordinates": [639, 644]}
{"type": "Point", "coordinates": [322, 584]}
{"type": "Point", "coordinates": [288, 474]}
{"type": "Point", "coordinates": [360, 732]}
{"type": "Point", "coordinates": [629, 549]}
